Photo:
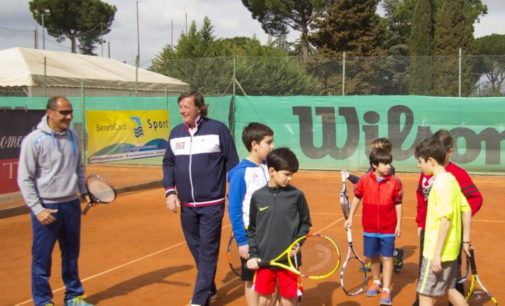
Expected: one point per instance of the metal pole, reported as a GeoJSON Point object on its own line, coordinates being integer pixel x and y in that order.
{"type": "Point", "coordinates": [45, 76]}
{"type": "Point", "coordinates": [172, 33]}
{"type": "Point", "coordinates": [138, 53]}
{"type": "Point", "coordinates": [35, 39]}
{"type": "Point", "coordinates": [343, 73]}
{"type": "Point", "coordinates": [234, 75]}
{"type": "Point", "coordinates": [101, 37]}
{"type": "Point", "coordinates": [43, 34]}
{"type": "Point", "coordinates": [459, 72]}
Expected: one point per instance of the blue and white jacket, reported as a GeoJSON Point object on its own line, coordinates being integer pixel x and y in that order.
{"type": "Point", "coordinates": [244, 179]}
{"type": "Point", "coordinates": [195, 165]}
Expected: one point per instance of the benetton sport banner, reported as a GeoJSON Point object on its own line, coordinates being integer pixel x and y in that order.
{"type": "Point", "coordinates": [121, 135]}
{"type": "Point", "coordinates": [334, 132]}
{"type": "Point", "coordinates": [14, 126]}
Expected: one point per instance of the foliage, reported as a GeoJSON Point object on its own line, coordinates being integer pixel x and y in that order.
{"type": "Point", "coordinates": [397, 20]}
{"type": "Point", "coordinates": [421, 48]}
{"type": "Point", "coordinates": [83, 20]}
{"type": "Point", "coordinates": [491, 63]}
{"type": "Point", "coordinates": [278, 16]}
{"type": "Point", "coordinates": [207, 64]}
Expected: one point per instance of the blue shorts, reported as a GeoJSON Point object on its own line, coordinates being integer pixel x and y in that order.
{"type": "Point", "coordinates": [378, 246]}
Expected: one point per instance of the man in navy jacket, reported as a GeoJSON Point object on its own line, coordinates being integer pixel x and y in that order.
{"type": "Point", "coordinates": [199, 153]}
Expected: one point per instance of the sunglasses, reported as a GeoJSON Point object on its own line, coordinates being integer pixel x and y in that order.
{"type": "Point", "coordinates": [64, 112]}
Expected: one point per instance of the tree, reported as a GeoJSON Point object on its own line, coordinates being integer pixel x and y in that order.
{"type": "Point", "coordinates": [491, 51]}
{"type": "Point", "coordinates": [278, 16]}
{"type": "Point", "coordinates": [398, 19]}
{"type": "Point", "coordinates": [351, 26]}
{"type": "Point", "coordinates": [83, 20]}
{"type": "Point", "coordinates": [207, 64]}
{"type": "Point", "coordinates": [421, 48]}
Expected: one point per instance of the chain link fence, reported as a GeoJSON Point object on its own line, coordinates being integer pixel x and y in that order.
{"type": "Point", "coordinates": [453, 76]}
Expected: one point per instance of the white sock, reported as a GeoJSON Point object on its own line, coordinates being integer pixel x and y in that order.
{"type": "Point", "coordinates": [377, 281]}
{"type": "Point", "coordinates": [386, 289]}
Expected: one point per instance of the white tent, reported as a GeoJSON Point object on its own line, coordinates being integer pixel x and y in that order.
{"type": "Point", "coordinates": [62, 73]}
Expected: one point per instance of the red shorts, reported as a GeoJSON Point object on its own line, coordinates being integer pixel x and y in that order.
{"type": "Point", "coordinates": [265, 281]}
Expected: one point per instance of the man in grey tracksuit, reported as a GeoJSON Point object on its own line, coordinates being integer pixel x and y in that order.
{"type": "Point", "coordinates": [50, 175]}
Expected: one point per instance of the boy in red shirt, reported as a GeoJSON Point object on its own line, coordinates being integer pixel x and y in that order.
{"type": "Point", "coordinates": [468, 188]}
{"type": "Point", "coordinates": [382, 195]}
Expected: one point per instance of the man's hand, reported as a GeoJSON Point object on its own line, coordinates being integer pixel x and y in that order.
{"type": "Point", "coordinates": [46, 216]}
{"type": "Point", "coordinates": [173, 202]}
{"type": "Point", "coordinates": [348, 223]}
{"type": "Point", "coordinates": [243, 250]}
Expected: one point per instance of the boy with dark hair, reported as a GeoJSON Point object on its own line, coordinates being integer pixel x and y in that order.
{"type": "Point", "coordinates": [244, 179]}
{"type": "Point", "coordinates": [278, 215]}
{"type": "Point", "coordinates": [448, 211]}
{"type": "Point", "coordinates": [470, 191]}
{"type": "Point", "coordinates": [379, 143]}
{"type": "Point", "coordinates": [382, 195]}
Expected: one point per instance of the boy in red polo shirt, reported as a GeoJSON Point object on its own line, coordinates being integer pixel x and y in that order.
{"type": "Point", "coordinates": [382, 195]}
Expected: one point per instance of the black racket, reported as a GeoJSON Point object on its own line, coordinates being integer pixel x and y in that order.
{"type": "Point", "coordinates": [478, 294]}
{"type": "Point", "coordinates": [99, 190]}
{"type": "Point", "coordinates": [353, 276]}
{"type": "Point", "coordinates": [234, 256]}
{"type": "Point", "coordinates": [344, 199]}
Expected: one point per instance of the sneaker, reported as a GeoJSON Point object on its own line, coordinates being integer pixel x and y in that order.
{"type": "Point", "coordinates": [385, 298]}
{"type": "Point", "coordinates": [398, 260]}
{"type": "Point", "coordinates": [77, 301]}
{"type": "Point", "coordinates": [49, 304]}
{"type": "Point", "coordinates": [373, 290]}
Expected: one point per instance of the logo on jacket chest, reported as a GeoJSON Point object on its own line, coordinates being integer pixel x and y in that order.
{"type": "Point", "coordinates": [180, 145]}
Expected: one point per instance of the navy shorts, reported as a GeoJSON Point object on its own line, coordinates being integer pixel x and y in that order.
{"type": "Point", "coordinates": [378, 246]}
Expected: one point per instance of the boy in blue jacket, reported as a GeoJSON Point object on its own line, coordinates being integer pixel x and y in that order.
{"type": "Point", "coordinates": [245, 178]}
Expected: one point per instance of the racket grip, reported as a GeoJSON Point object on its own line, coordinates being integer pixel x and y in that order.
{"type": "Point", "coordinates": [85, 210]}
{"type": "Point", "coordinates": [349, 234]}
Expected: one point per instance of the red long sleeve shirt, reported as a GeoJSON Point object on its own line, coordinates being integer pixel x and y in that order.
{"type": "Point", "coordinates": [466, 184]}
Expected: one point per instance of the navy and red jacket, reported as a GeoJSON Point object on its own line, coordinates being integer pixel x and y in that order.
{"type": "Point", "coordinates": [195, 166]}
{"type": "Point", "coordinates": [468, 188]}
{"type": "Point", "coordinates": [379, 202]}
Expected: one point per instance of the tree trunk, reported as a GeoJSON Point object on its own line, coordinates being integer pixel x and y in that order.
{"type": "Point", "coordinates": [73, 47]}
{"type": "Point", "coordinates": [305, 42]}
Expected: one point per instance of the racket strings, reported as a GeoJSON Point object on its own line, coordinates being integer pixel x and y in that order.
{"type": "Point", "coordinates": [101, 190]}
{"type": "Point", "coordinates": [319, 257]}
{"type": "Point", "coordinates": [354, 275]}
{"type": "Point", "coordinates": [234, 257]}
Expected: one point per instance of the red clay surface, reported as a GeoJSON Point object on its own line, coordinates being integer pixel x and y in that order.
{"type": "Point", "coordinates": [133, 251]}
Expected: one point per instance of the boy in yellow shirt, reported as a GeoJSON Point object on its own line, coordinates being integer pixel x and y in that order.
{"type": "Point", "coordinates": [448, 215]}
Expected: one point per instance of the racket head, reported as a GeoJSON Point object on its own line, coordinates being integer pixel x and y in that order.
{"type": "Point", "coordinates": [100, 190]}
{"type": "Point", "coordinates": [233, 257]}
{"type": "Point", "coordinates": [354, 275]}
{"type": "Point", "coordinates": [319, 256]}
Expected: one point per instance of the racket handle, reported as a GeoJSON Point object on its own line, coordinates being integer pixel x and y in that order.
{"type": "Point", "coordinates": [349, 235]}
{"type": "Point", "coordinates": [85, 211]}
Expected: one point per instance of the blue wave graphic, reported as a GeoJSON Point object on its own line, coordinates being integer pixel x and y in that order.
{"type": "Point", "coordinates": [139, 131]}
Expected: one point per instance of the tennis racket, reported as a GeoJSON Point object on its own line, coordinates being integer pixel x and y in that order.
{"type": "Point", "coordinates": [234, 256]}
{"type": "Point", "coordinates": [465, 268]}
{"type": "Point", "coordinates": [344, 200]}
{"type": "Point", "coordinates": [353, 276]}
{"type": "Point", "coordinates": [478, 294]}
{"type": "Point", "coordinates": [99, 190]}
{"type": "Point", "coordinates": [313, 256]}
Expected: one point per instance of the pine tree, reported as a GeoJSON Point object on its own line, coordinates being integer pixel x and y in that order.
{"type": "Point", "coordinates": [453, 30]}
{"type": "Point", "coordinates": [421, 48]}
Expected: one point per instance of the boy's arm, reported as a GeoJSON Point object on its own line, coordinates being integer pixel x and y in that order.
{"type": "Point", "coordinates": [237, 189]}
{"type": "Point", "coordinates": [354, 206]}
{"type": "Point", "coordinates": [399, 210]}
{"type": "Point", "coordinates": [467, 226]}
{"type": "Point", "coordinates": [472, 194]}
{"type": "Point", "coordinates": [251, 230]}
{"type": "Point", "coordinates": [442, 235]}
{"type": "Point", "coordinates": [422, 206]}
{"type": "Point", "coordinates": [305, 222]}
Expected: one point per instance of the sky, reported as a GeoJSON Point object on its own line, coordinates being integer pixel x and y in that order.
{"type": "Point", "coordinates": [229, 17]}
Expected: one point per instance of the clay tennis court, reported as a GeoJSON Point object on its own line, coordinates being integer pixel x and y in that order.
{"type": "Point", "coordinates": [133, 251]}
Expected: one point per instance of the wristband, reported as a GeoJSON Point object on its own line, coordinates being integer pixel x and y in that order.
{"type": "Point", "coordinates": [466, 242]}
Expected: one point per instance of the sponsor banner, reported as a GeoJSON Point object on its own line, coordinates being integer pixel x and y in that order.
{"type": "Point", "coordinates": [14, 126]}
{"type": "Point", "coordinates": [333, 133]}
{"type": "Point", "coordinates": [128, 134]}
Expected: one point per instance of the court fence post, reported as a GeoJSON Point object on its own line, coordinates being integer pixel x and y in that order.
{"type": "Point", "coordinates": [45, 76]}
{"type": "Point", "coordinates": [343, 73]}
{"type": "Point", "coordinates": [460, 55]}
